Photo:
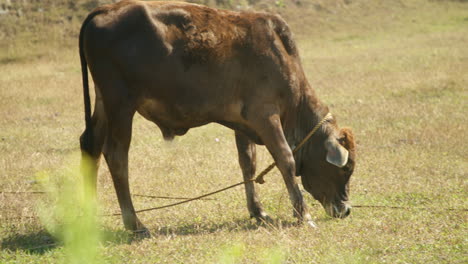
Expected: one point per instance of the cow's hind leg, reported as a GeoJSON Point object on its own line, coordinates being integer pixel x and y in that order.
{"type": "Point", "coordinates": [115, 150]}
{"type": "Point", "coordinates": [91, 142]}
{"type": "Point", "coordinates": [247, 161]}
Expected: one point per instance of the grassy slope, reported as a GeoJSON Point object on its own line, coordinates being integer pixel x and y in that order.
{"type": "Point", "coordinates": [395, 71]}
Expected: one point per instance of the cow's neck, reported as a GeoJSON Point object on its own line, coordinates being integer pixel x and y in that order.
{"type": "Point", "coordinates": [309, 111]}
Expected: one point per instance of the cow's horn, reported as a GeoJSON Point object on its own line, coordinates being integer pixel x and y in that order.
{"type": "Point", "coordinates": [336, 154]}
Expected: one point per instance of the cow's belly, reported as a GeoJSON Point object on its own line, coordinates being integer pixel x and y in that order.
{"type": "Point", "coordinates": [170, 115]}
{"type": "Point", "coordinates": [176, 119]}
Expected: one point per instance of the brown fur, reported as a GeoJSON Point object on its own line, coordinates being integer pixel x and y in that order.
{"type": "Point", "coordinates": [347, 139]}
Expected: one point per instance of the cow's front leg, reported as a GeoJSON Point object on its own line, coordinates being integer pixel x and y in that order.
{"type": "Point", "coordinates": [270, 131]}
{"type": "Point", "coordinates": [247, 161]}
{"type": "Point", "coordinates": [116, 153]}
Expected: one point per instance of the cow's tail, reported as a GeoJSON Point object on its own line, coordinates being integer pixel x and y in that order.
{"type": "Point", "coordinates": [86, 140]}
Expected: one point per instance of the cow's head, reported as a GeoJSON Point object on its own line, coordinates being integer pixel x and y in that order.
{"type": "Point", "coordinates": [326, 168]}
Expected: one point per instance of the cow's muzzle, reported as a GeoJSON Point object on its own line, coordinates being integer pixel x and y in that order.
{"type": "Point", "coordinates": [340, 210]}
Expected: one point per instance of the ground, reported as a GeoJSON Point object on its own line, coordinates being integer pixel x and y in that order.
{"type": "Point", "coordinates": [393, 71]}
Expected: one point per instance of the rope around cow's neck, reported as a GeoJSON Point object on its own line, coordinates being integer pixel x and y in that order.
{"type": "Point", "coordinates": [259, 179]}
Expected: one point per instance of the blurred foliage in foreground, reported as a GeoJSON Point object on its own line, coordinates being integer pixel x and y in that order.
{"type": "Point", "coordinates": [70, 215]}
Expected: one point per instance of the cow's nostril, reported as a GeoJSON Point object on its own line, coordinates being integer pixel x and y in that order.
{"type": "Point", "coordinates": [348, 212]}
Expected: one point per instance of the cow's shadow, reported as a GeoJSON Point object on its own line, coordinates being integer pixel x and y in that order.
{"type": "Point", "coordinates": [241, 224]}
{"type": "Point", "coordinates": [196, 228]}
{"type": "Point", "coordinates": [34, 243]}
{"type": "Point", "coordinates": [41, 241]}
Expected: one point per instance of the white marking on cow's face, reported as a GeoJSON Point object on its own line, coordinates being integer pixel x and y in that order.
{"type": "Point", "coordinates": [337, 211]}
{"type": "Point", "coordinates": [328, 209]}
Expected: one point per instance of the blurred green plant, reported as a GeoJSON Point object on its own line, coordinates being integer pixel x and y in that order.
{"type": "Point", "coordinates": [280, 3]}
{"type": "Point", "coordinates": [70, 216]}
{"type": "Point", "coordinates": [231, 254]}
{"type": "Point", "coordinates": [275, 255]}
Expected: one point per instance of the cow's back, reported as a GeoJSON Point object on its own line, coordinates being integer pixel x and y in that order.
{"type": "Point", "coordinates": [185, 65]}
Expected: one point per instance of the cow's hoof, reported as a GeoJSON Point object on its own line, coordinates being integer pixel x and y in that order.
{"type": "Point", "coordinates": [311, 224]}
{"type": "Point", "coordinates": [264, 219]}
{"type": "Point", "coordinates": [307, 223]}
{"type": "Point", "coordinates": [141, 234]}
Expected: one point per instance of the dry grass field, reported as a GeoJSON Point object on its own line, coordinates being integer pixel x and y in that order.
{"type": "Point", "coordinates": [395, 71]}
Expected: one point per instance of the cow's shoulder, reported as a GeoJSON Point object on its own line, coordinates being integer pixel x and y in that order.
{"type": "Point", "coordinates": [110, 14]}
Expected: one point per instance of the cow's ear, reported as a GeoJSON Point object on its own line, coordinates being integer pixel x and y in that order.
{"type": "Point", "coordinates": [346, 139]}
{"type": "Point", "coordinates": [336, 154]}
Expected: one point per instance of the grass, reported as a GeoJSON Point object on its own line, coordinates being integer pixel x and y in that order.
{"type": "Point", "coordinates": [394, 71]}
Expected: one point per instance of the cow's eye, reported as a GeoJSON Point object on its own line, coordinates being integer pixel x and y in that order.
{"type": "Point", "coordinates": [346, 168]}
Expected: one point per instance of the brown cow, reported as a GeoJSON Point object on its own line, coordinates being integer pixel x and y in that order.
{"type": "Point", "coordinates": [184, 65]}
